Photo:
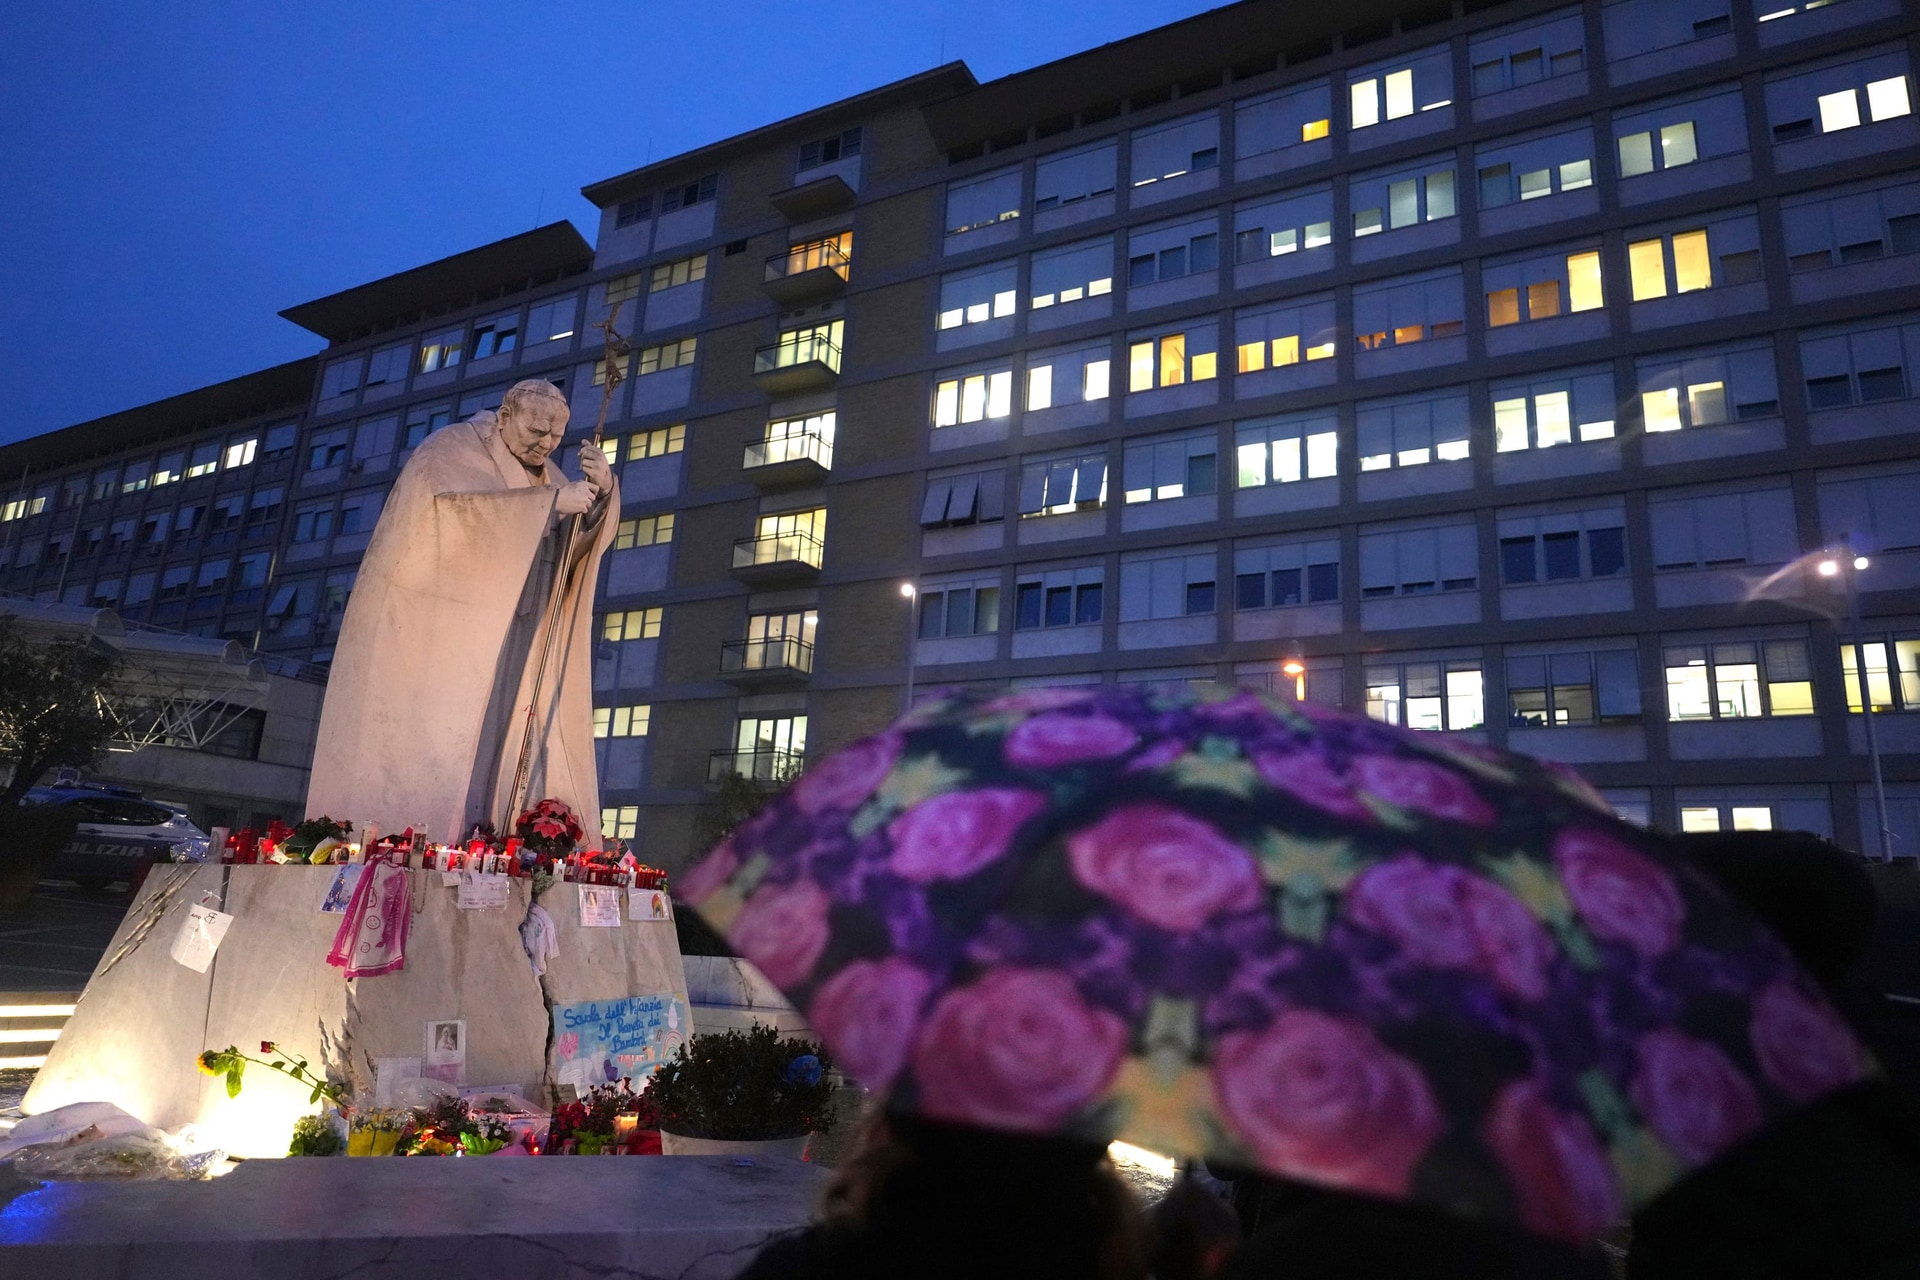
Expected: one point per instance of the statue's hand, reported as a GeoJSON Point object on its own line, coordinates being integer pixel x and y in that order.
{"type": "Point", "coordinates": [576, 498]}
{"type": "Point", "coordinates": [594, 468]}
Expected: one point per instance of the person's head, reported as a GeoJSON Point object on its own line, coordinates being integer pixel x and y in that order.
{"type": "Point", "coordinates": [1807, 889]}
{"type": "Point", "coordinates": [937, 1200]}
{"type": "Point", "coordinates": [533, 418]}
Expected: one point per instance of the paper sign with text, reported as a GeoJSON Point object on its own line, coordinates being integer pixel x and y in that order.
{"type": "Point", "coordinates": [649, 904]}
{"type": "Point", "coordinates": [482, 893]}
{"type": "Point", "coordinates": [599, 906]}
{"type": "Point", "coordinates": [601, 1041]}
{"type": "Point", "coordinates": [199, 937]}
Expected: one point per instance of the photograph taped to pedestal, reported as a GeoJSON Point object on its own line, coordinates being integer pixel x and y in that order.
{"type": "Point", "coordinates": [199, 937]}
{"type": "Point", "coordinates": [446, 1056]}
{"type": "Point", "coordinates": [340, 890]}
{"type": "Point", "coordinates": [649, 904]}
{"type": "Point", "coordinates": [599, 906]}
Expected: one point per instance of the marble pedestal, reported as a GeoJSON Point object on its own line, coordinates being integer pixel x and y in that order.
{"type": "Point", "coordinates": [144, 1017]}
{"type": "Point", "coordinates": [688, 1217]}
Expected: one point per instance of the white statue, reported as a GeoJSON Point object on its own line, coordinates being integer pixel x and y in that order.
{"type": "Point", "coordinates": [467, 639]}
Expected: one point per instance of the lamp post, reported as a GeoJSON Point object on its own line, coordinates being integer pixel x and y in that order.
{"type": "Point", "coordinates": [911, 593]}
{"type": "Point", "coordinates": [1847, 566]}
{"type": "Point", "coordinates": [1296, 668]}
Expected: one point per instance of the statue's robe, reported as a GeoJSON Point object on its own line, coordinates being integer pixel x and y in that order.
{"type": "Point", "coordinates": [433, 672]}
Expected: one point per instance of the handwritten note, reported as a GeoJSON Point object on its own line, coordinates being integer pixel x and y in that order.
{"type": "Point", "coordinates": [600, 1041]}
{"type": "Point", "coordinates": [481, 892]}
{"type": "Point", "coordinates": [649, 904]}
{"type": "Point", "coordinates": [599, 906]}
{"type": "Point", "coordinates": [199, 937]}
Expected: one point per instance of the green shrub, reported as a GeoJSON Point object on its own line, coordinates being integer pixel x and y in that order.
{"type": "Point", "coordinates": [315, 1136]}
{"type": "Point", "coordinates": [744, 1085]}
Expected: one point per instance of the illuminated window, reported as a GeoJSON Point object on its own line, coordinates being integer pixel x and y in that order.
{"type": "Point", "coordinates": [626, 367]}
{"type": "Point", "coordinates": [1553, 409]}
{"type": "Point", "coordinates": [633, 624]}
{"type": "Point", "coordinates": [1692, 267]}
{"type": "Point", "coordinates": [1159, 470]}
{"type": "Point", "coordinates": [1313, 130]}
{"type": "Point", "coordinates": [442, 351]}
{"type": "Point", "coordinates": [1739, 680]}
{"type": "Point", "coordinates": [623, 288]}
{"type": "Point", "coordinates": [1433, 696]}
{"type": "Point", "coordinates": [240, 453]}
{"type": "Point", "coordinates": [1166, 361]}
{"type": "Point", "coordinates": [1896, 690]}
{"type": "Point", "coordinates": [656, 443]}
{"type": "Point", "coordinates": [1568, 690]}
{"type": "Point", "coordinates": [978, 296]}
{"type": "Point", "coordinates": [1887, 99]}
{"type": "Point", "coordinates": [670, 275]}
{"type": "Point", "coordinates": [1286, 449]}
{"type": "Point", "coordinates": [622, 722]}
{"type": "Point", "coordinates": [643, 531]}
{"type": "Point", "coordinates": [1647, 264]}
{"type": "Point", "coordinates": [552, 321]}
{"type": "Point", "coordinates": [670, 355]}
{"type": "Point", "coordinates": [1411, 431]}
{"type": "Point", "coordinates": [1058, 486]}
{"type": "Point", "coordinates": [972, 397]}
{"type": "Point", "coordinates": [1068, 274]}
{"type": "Point", "coordinates": [622, 823]}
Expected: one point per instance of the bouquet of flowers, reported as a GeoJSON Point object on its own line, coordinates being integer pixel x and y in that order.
{"type": "Point", "coordinates": [549, 829]}
{"type": "Point", "coordinates": [308, 835]}
{"type": "Point", "coordinates": [375, 1132]}
{"type": "Point", "coordinates": [484, 1133]}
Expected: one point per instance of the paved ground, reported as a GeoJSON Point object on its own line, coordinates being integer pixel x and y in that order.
{"type": "Point", "coordinates": [53, 942]}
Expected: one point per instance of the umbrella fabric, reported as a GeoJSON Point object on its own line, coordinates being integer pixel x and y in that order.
{"type": "Point", "coordinates": [1219, 924]}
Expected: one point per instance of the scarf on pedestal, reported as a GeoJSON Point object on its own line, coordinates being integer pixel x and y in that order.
{"type": "Point", "coordinates": [373, 938]}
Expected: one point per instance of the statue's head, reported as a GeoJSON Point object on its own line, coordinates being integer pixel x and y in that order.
{"type": "Point", "coordinates": [533, 418]}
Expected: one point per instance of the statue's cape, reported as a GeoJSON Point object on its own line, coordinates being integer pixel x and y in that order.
{"type": "Point", "coordinates": [433, 669]}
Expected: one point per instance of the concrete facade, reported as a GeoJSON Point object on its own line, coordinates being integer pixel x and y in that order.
{"type": "Point", "coordinates": [1552, 333]}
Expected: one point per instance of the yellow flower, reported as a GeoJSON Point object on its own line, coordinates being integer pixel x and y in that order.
{"type": "Point", "coordinates": [210, 1062]}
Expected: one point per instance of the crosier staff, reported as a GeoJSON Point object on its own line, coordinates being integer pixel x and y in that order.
{"type": "Point", "coordinates": [617, 349]}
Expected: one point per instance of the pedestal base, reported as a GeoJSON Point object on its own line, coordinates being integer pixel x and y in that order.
{"type": "Point", "coordinates": [638, 1217]}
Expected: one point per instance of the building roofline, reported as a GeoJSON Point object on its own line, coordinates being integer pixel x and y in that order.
{"type": "Point", "coordinates": [940, 82]}
{"type": "Point", "coordinates": [1150, 60]}
{"type": "Point", "coordinates": [508, 265]}
{"type": "Point", "coordinates": [284, 388]}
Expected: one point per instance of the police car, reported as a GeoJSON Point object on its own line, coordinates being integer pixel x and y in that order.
{"type": "Point", "coordinates": [120, 834]}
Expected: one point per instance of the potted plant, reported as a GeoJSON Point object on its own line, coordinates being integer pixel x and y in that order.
{"type": "Point", "coordinates": [742, 1092]}
{"type": "Point", "coordinates": [375, 1132]}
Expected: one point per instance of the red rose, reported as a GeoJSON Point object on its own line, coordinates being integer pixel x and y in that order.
{"type": "Point", "coordinates": [1318, 1097]}
{"type": "Point", "coordinates": [1164, 866]}
{"type": "Point", "coordinates": [1804, 1048]}
{"type": "Point", "coordinates": [1016, 1050]}
{"type": "Point", "coordinates": [1557, 1167]}
{"type": "Point", "coordinates": [1622, 895]}
{"type": "Point", "coordinates": [1692, 1095]}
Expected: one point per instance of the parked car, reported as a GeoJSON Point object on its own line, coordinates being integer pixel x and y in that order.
{"type": "Point", "coordinates": [120, 835]}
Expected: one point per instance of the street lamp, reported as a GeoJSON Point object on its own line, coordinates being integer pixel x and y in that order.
{"type": "Point", "coordinates": [1296, 668]}
{"type": "Point", "coordinates": [1847, 566]}
{"type": "Point", "coordinates": [910, 593]}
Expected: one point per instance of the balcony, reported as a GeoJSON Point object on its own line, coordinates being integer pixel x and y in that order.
{"type": "Point", "coordinates": [806, 273]}
{"type": "Point", "coordinates": [805, 201]}
{"type": "Point", "coordinates": [760, 766]}
{"type": "Point", "coordinates": [776, 558]}
{"type": "Point", "coordinates": [798, 457]}
{"type": "Point", "coordinates": [803, 360]}
{"type": "Point", "coordinates": [759, 664]}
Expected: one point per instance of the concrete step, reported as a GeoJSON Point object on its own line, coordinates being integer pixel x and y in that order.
{"type": "Point", "coordinates": [30, 1021]}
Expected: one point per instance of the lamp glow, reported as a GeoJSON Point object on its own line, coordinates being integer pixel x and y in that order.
{"type": "Point", "coordinates": [907, 590]}
{"type": "Point", "coordinates": [1860, 562]}
{"type": "Point", "coordinates": [1829, 567]}
{"type": "Point", "coordinates": [1293, 667]}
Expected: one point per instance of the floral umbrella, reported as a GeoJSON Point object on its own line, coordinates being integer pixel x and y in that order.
{"type": "Point", "coordinates": [1215, 923]}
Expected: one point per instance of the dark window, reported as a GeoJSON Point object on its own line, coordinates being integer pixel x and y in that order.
{"type": "Point", "coordinates": [1140, 270]}
{"type": "Point", "coordinates": [1740, 268]}
{"type": "Point", "coordinates": [628, 212]}
{"type": "Point", "coordinates": [1904, 231]}
{"type": "Point", "coordinates": [1059, 606]}
{"type": "Point", "coordinates": [1206, 253]}
{"type": "Point", "coordinates": [1757, 409]}
{"type": "Point", "coordinates": [1250, 591]}
{"type": "Point", "coordinates": [1250, 246]}
{"type": "Point", "coordinates": [1496, 185]}
{"type": "Point", "coordinates": [1200, 473]}
{"type": "Point", "coordinates": [1323, 582]}
{"type": "Point", "coordinates": [1882, 384]}
{"type": "Point", "coordinates": [1864, 251]}
{"type": "Point", "coordinates": [1087, 606]}
{"type": "Point", "coordinates": [1810, 261]}
{"type": "Point", "coordinates": [1199, 597]}
{"type": "Point", "coordinates": [1793, 130]}
{"type": "Point", "coordinates": [1607, 549]}
{"type": "Point", "coordinates": [960, 613]}
{"type": "Point", "coordinates": [933, 612]}
{"type": "Point", "coordinates": [1828, 393]}
{"type": "Point", "coordinates": [1206, 159]}
{"type": "Point", "coordinates": [1286, 586]}
{"type": "Point", "coordinates": [1714, 26]}
{"type": "Point", "coordinates": [1562, 555]}
{"type": "Point", "coordinates": [1173, 262]}
{"type": "Point", "coordinates": [1516, 560]}
{"type": "Point", "coordinates": [1026, 606]}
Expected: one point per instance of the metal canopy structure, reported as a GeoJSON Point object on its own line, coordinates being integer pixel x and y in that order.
{"type": "Point", "coordinates": [172, 689]}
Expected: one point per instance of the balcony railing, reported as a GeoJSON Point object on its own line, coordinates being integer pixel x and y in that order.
{"type": "Point", "coordinates": [807, 445]}
{"type": "Point", "coordinates": [777, 549]}
{"type": "Point", "coordinates": [802, 347]}
{"type": "Point", "coordinates": [779, 655]}
{"type": "Point", "coordinates": [802, 258]}
{"type": "Point", "coordinates": [761, 766]}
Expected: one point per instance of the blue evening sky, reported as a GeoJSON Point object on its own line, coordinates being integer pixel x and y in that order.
{"type": "Point", "coordinates": [172, 174]}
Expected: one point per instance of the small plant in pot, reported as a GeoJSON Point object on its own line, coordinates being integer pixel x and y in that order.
{"type": "Point", "coordinates": [743, 1091]}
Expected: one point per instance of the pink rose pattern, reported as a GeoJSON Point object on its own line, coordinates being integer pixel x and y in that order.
{"type": "Point", "coordinates": [1019, 1050]}
{"type": "Point", "coordinates": [1322, 1097]}
{"type": "Point", "coordinates": [1367, 940]}
{"type": "Point", "coordinates": [1621, 895]}
{"type": "Point", "coordinates": [1163, 866]}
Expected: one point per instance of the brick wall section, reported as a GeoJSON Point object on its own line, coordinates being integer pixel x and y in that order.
{"type": "Point", "coordinates": [881, 421]}
{"type": "Point", "coordinates": [693, 640]}
{"type": "Point", "coordinates": [706, 536]}
{"type": "Point", "coordinates": [868, 621]}
{"type": "Point", "coordinates": [870, 526]}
